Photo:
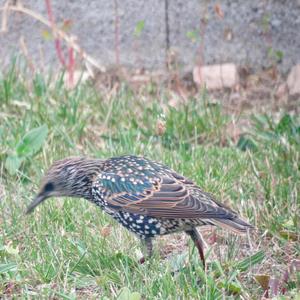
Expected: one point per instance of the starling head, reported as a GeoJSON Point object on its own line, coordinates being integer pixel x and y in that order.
{"type": "Point", "coordinates": [71, 177]}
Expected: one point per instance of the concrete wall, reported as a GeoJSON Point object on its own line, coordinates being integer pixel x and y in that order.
{"type": "Point", "coordinates": [244, 36]}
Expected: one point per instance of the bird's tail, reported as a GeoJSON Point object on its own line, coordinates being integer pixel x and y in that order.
{"type": "Point", "coordinates": [236, 225]}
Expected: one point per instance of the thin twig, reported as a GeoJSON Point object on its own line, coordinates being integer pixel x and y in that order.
{"type": "Point", "coordinates": [26, 54]}
{"type": "Point", "coordinates": [117, 33]}
{"type": "Point", "coordinates": [71, 66]}
{"type": "Point", "coordinates": [69, 40]}
{"type": "Point", "coordinates": [201, 48]}
{"type": "Point", "coordinates": [56, 39]}
{"type": "Point", "coordinates": [4, 17]}
{"type": "Point", "coordinates": [167, 34]}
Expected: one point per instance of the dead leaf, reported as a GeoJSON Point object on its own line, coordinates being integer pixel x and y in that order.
{"type": "Point", "coordinates": [160, 127]}
{"type": "Point", "coordinates": [289, 235]}
{"type": "Point", "coordinates": [263, 280]}
{"type": "Point", "coordinates": [105, 231]}
{"type": "Point", "coordinates": [273, 286]}
{"type": "Point", "coordinates": [218, 10]}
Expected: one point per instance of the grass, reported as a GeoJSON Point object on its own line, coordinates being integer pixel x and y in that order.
{"type": "Point", "coordinates": [69, 249]}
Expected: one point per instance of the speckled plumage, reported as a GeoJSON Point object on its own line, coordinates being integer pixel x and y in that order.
{"type": "Point", "coordinates": [146, 197]}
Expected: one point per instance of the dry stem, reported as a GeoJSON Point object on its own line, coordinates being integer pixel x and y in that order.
{"type": "Point", "coordinates": [60, 33]}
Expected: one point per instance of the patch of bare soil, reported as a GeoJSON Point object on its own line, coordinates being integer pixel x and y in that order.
{"type": "Point", "coordinates": [256, 92]}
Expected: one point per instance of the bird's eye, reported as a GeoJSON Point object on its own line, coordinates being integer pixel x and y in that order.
{"type": "Point", "coordinates": [49, 187]}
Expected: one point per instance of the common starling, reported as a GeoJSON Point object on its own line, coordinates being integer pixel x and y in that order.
{"type": "Point", "coordinates": [146, 197]}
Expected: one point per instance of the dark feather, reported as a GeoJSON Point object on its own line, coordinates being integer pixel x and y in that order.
{"type": "Point", "coordinates": [153, 190]}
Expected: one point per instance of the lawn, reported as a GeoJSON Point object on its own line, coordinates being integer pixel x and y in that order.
{"type": "Point", "coordinates": [69, 249]}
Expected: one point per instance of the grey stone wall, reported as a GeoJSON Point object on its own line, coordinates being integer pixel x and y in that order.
{"type": "Point", "coordinates": [256, 33]}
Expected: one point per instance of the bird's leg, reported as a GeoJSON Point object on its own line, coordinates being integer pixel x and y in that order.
{"type": "Point", "coordinates": [147, 243]}
{"type": "Point", "coordinates": [199, 243]}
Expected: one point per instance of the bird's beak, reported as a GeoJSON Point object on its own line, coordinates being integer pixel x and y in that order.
{"type": "Point", "coordinates": [37, 200]}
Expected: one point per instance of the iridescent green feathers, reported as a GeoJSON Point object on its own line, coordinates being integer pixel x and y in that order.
{"type": "Point", "coordinates": [138, 185]}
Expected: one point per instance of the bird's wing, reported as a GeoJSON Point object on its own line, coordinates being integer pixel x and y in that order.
{"type": "Point", "coordinates": [164, 196]}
